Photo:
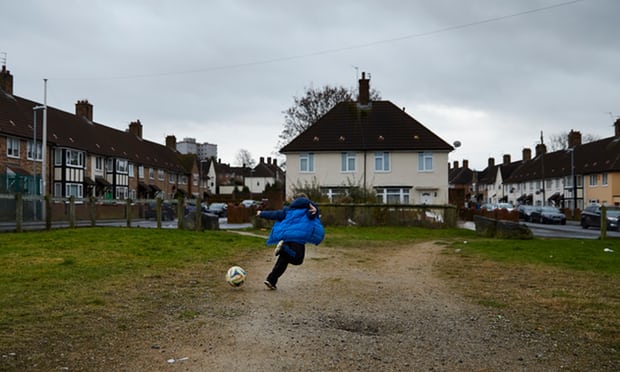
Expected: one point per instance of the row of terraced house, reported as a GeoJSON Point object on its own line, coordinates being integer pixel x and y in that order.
{"type": "Point", "coordinates": [87, 159]}
{"type": "Point", "coordinates": [571, 178]}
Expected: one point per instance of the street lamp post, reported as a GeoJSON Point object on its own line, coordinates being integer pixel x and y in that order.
{"type": "Point", "coordinates": [574, 180]}
{"type": "Point", "coordinates": [35, 154]}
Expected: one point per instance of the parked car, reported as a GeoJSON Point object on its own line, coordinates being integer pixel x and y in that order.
{"type": "Point", "coordinates": [591, 216]}
{"type": "Point", "coordinates": [168, 212]}
{"type": "Point", "coordinates": [551, 215]}
{"type": "Point", "coordinates": [488, 206]}
{"type": "Point", "coordinates": [507, 206]}
{"type": "Point", "coordinates": [250, 203]}
{"type": "Point", "coordinates": [525, 212]}
{"type": "Point", "coordinates": [219, 209]}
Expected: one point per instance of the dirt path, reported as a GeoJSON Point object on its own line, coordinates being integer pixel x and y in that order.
{"type": "Point", "coordinates": [348, 310]}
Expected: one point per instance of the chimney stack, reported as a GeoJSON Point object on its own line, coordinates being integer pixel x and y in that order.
{"type": "Point", "coordinates": [506, 159]}
{"type": "Point", "coordinates": [465, 163]}
{"type": "Point", "coordinates": [6, 80]}
{"type": "Point", "coordinates": [135, 128]}
{"type": "Point", "coordinates": [85, 109]}
{"type": "Point", "coordinates": [527, 154]}
{"type": "Point", "coordinates": [541, 149]}
{"type": "Point", "coordinates": [364, 90]}
{"type": "Point", "coordinates": [455, 164]}
{"type": "Point", "coordinates": [617, 127]}
{"type": "Point", "coordinates": [262, 160]}
{"type": "Point", "coordinates": [491, 162]}
{"type": "Point", "coordinates": [171, 142]}
{"type": "Point", "coordinates": [574, 139]}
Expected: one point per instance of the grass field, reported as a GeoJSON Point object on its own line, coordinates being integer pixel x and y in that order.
{"type": "Point", "coordinates": [57, 282]}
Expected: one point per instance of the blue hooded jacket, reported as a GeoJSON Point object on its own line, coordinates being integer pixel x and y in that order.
{"type": "Point", "coordinates": [296, 223]}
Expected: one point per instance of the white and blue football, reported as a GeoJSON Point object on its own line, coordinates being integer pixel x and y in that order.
{"type": "Point", "coordinates": [235, 276]}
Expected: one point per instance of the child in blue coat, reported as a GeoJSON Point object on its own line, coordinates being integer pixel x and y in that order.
{"type": "Point", "coordinates": [296, 225]}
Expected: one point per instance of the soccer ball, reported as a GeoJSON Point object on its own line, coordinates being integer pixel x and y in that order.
{"type": "Point", "coordinates": [235, 276]}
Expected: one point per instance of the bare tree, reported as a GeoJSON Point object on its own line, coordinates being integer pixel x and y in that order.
{"type": "Point", "coordinates": [312, 106]}
{"type": "Point", "coordinates": [244, 159]}
{"type": "Point", "coordinates": [560, 141]}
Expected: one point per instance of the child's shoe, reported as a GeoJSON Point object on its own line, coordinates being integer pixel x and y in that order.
{"type": "Point", "coordinates": [269, 285]}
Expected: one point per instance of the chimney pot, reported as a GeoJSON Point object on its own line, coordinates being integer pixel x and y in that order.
{"type": "Point", "coordinates": [171, 142]}
{"type": "Point", "coordinates": [574, 139]}
{"type": "Point", "coordinates": [6, 80]}
{"type": "Point", "coordinates": [85, 109]}
{"type": "Point", "coordinates": [506, 159]}
{"type": "Point", "coordinates": [364, 90]}
{"type": "Point", "coordinates": [135, 128]}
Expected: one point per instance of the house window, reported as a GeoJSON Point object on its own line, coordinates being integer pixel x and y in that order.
{"type": "Point", "coordinates": [604, 179]}
{"type": "Point", "coordinates": [393, 195]}
{"type": "Point", "coordinates": [593, 179]}
{"type": "Point", "coordinates": [130, 169]}
{"type": "Point", "coordinates": [195, 180]}
{"type": "Point", "coordinates": [34, 151]}
{"type": "Point", "coordinates": [58, 157]}
{"type": "Point", "coordinates": [382, 161]}
{"type": "Point", "coordinates": [306, 162]}
{"type": "Point", "coordinates": [161, 175]}
{"type": "Point", "coordinates": [425, 161]}
{"type": "Point", "coordinates": [183, 179]}
{"type": "Point", "coordinates": [172, 178]}
{"type": "Point", "coordinates": [151, 173]}
{"type": "Point", "coordinates": [121, 193]}
{"type": "Point", "coordinates": [121, 166]}
{"type": "Point", "coordinates": [141, 171]}
{"type": "Point", "coordinates": [57, 190]}
{"type": "Point", "coordinates": [74, 189]}
{"type": "Point", "coordinates": [347, 162]}
{"type": "Point", "coordinates": [99, 163]}
{"type": "Point", "coordinates": [12, 147]}
{"type": "Point", "coordinates": [74, 158]}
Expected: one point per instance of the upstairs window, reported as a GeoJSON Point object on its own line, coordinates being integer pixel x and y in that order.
{"type": "Point", "coordinates": [382, 161]}
{"type": "Point", "coordinates": [34, 151]}
{"type": "Point", "coordinates": [141, 171]}
{"type": "Point", "coordinates": [425, 161]}
{"type": "Point", "coordinates": [161, 175]}
{"type": "Point", "coordinates": [306, 162]}
{"type": "Point", "coordinates": [99, 163]}
{"type": "Point", "coordinates": [121, 166]}
{"type": "Point", "coordinates": [347, 162]}
{"type": "Point", "coordinates": [12, 147]}
{"type": "Point", "coordinates": [74, 158]}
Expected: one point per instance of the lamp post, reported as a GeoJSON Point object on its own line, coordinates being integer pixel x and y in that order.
{"type": "Point", "coordinates": [35, 157]}
{"type": "Point", "coordinates": [44, 146]}
{"type": "Point", "coordinates": [574, 179]}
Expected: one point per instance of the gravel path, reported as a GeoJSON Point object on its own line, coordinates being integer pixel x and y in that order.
{"type": "Point", "coordinates": [350, 310]}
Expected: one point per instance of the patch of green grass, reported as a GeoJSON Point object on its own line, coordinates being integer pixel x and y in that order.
{"type": "Point", "coordinates": [574, 254]}
{"type": "Point", "coordinates": [353, 236]}
{"type": "Point", "coordinates": [49, 272]}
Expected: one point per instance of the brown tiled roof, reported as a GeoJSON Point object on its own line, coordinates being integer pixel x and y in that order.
{"type": "Point", "coordinates": [380, 126]}
{"type": "Point", "coordinates": [69, 130]}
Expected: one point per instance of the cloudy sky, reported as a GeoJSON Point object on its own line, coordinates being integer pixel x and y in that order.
{"type": "Point", "coordinates": [492, 74]}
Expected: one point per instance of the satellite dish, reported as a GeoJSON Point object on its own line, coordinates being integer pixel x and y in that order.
{"type": "Point", "coordinates": [457, 143]}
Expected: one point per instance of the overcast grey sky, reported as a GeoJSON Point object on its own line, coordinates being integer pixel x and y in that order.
{"type": "Point", "coordinates": [492, 74]}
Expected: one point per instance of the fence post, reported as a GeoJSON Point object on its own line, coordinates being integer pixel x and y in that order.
{"type": "Point", "coordinates": [92, 211]}
{"type": "Point", "coordinates": [128, 211]}
{"type": "Point", "coordinates": [19, 212]}
{"type": "Point", "coordinates": [603, 222]}
{"type": "Point", "coordinates": [180, 210]}
{"type": "Point", "coordinates": [198, 214]}
{"type": "Point", "coordinates": [72, 212]}
{"type": "Point", "coordinates": [48, 212]}
{"type": "Point", "coordinates": [158, 212]}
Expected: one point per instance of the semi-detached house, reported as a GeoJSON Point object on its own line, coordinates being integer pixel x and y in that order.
{"type": "Point", "coordinates": [374, 145]}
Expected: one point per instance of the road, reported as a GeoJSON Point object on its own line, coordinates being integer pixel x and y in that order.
{"type": "Point", "coordinates": [571, 230]}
